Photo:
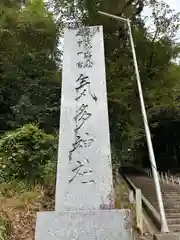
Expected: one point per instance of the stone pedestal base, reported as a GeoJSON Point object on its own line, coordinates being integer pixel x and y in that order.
{"type": "Point", "coordinates": [84, 225]}
{"type": "Point", "coordinates": [167, 236]}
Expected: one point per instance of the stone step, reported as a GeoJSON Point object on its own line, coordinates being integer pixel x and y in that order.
{"type": "Point", "coordinates": [173, 221]}
{"type": "Point", "coordinates": [169, 196]}
{"type": "Point", "coordinates": [166, 203]}
{"type": "Point", "coordinates": [172, 206]}
{"type": "Point", "coordinates": [168, 188]}
{"type": "Point", "coordinates": [170, 193]}
{"type": "Point", "coordinates": [173, 215]}
{"type": "Point", "coordinates": [174, 228]}
{"type": "Point", "coordinates": [166, 194]}
{"type": "Point", "coordinates": [171, 199]}
{"type": "Point", "coordinates": [169, 207]}
{"type": "Point", "coordinates": [172, 210]}
{"type": "Point", "coordinates": [172, 203]}
{"type": "Point", "coordinates": [165, 191]}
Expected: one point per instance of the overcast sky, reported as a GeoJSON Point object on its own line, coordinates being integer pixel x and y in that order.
{"type": "Point", "coordinates": [175, 4]}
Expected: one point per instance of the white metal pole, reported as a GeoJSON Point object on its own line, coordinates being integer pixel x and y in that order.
{"type": "Point", "coordinates": [179, 181]}
{"type": "Point", "coordinates": [113, 16]}
{"type": "Point", "coordinates": [162, 177]}
{"type": "Point", "coordinates": [164, 226]}
{"type": "Point", "coordinates": [166, 176]}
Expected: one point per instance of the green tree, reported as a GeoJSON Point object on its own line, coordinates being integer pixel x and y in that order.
{"type": "Point", "coordinates": [29, 59]}
{"type": "Point", "coordinates": [30, 67]}
{"type": "Point", "coordinates": [26, 154]}
{"type": "Point", "coordinates": [155, 51]}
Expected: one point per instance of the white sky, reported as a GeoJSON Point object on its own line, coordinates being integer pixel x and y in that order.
{"type": "Point", "coordinates": [175, 4]}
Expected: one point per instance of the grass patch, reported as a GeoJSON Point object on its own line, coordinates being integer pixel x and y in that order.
{"type": "Point", "coordinates": [14, 188]}
{"type": "Point", "coordinates": [20, 202]}
{"type": "Point", "coordinates": [4, 227]}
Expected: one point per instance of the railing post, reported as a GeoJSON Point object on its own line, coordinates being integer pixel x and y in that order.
{"type": "Point", "coordinates": [139, 212]}
{"type": "Point", "coordinates": [131, 196]}
{"type": "Point", "coordinates": [172, 179]}
{"type": "Point", "coordinates": [179, 181]}
{"type": "Point", "coordinates": [159, 176]}
{"type": "Point", "coordinates": [166, 177]}
{"type": "Point", "coordinates": [162, 177]}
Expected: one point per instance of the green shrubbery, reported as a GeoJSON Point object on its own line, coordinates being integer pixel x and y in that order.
{"type": "Point", "coordinates": [28, 154]}
{"type": "Point", "coordinates": [4, 227]}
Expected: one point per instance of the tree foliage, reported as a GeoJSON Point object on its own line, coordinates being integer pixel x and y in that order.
{"type": "Point", "coordinates": [29, 74]}
{"type": "Point", "coordinates": [26, 153]}
{"type": "Point", "coordinates": [30, 69]}
{"type": "Point", "coordinates": [156, 49]}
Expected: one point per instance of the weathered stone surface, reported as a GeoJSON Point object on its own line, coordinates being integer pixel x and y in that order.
{"type": "Point", "coordinates": [84, 225]}
{"type": "Point", "coordinates": [84, 186]}
{"type": "Point", "coordinates": [167, 236]}
{"type": "Point", "coordinates": [84, 174]}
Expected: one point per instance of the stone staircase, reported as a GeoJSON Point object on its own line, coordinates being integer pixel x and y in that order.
{"type": "Point", "coordinates": [171, 197]}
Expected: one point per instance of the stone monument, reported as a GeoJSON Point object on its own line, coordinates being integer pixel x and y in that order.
{"type": "Point", "coordinates": [84, 205]}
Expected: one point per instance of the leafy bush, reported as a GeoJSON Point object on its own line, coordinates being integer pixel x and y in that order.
{"type": "Point", "coordinates": [4, 227]}
{"type": "Point", "coordinates": [49, 174]}
{"type": "Point", "coordinates": [25, 152]}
